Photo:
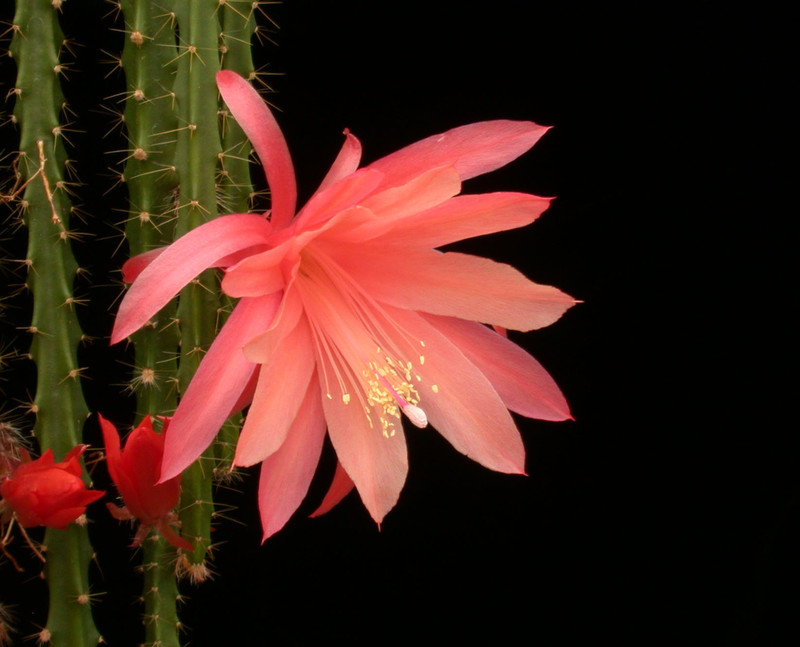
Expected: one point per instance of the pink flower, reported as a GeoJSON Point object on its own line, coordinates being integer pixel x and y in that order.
{"type": "Point", "coordinates": [135, 472]}
{"type": "Point", "coordinates": [46, 493]}
{"type": "Point", "coordinates": [348, 316]}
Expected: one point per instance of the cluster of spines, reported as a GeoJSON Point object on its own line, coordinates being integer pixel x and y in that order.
{"type": "Point", "coordinates": [43, 193]}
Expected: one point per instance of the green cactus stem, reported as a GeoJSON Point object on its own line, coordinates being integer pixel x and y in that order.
{"type": "Point", "coordinates": [238, 25]}
{"type": "Point", "coordinates": [160, 593]}
{"type": "Point", "coordinates": [197, 154]}
{"type": "Point", "coordinates": [51, 268]}
{"type": "Point", "coordinates": [238, 22]}
{"type": "Point", "coordinates": [148, 60]}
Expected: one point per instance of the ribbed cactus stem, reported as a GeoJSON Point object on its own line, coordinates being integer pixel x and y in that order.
{"type": "Point", "coordinates": [160, 593]}
{"type": "Point", "coordinates": [59, 405]}
{"type": "Point", "coordinates": [148, 59]}
{"type": "Point", "coordinates": [238, 24]}
{"type": "Point", "coordinates": [197, 155]}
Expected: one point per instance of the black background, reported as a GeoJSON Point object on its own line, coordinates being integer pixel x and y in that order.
{"type": "Point", "coordinates": [667, 512]}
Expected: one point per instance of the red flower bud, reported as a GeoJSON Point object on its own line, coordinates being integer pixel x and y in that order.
{"type": "Point", "coordinates": [135, 471]}
{"type": "Point", "coordinates": [46, 493]}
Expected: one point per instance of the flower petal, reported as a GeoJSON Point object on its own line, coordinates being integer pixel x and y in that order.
{"type": "Point", "coordinates": [282, 385]}
{"type": "Point", "coordinates": [461, 217]}
{"type": "Point", "coordinates": [346, 161]}
{"type": "Point", "coordinates": [345, 193]}
{"type": "Point", "coordinates": [173, 537]}
{"type": "Point", "coordinates": [286, 474]}
{"type": "Point", "coordinates": [257, 122]}
{"type": "Point", "coordinates": [220, 379]}
{"type": "Point", "coordinates": [112, 445]}
{"type": "Point", "coordinates": [473, 150]}
{"type": "Point", "coordinates": [376, 464]}
{"type": "Point", "coordinates": [523, 384]}
{"type": "Point", "coordinates": [453, 284]}
{"type": "Point", "coordinates": [418, 194]}
{"type": "Point", "coordinates": [134, 266]}
{"type": "Point", "coordinates": [340, 487]}
{"type": "Point", "coordinates": [262, 348]}
{"type": "Point", "coordinates": [187, 257]}
{"type": "Point", "coordinates": [257, 275]}
{"type": "Point", "coordinates": [460, 402]}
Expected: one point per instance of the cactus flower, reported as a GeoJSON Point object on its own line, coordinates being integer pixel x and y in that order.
{"type": "Point", "coordinates": [349, 317]}
{"type": "Point", "coordinates": [135, 472]}
{"type": "Point", "coordinates": [45, 493]}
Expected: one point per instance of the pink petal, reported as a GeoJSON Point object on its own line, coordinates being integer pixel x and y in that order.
{"type": "Point", "coordinates": [454, 285]}
{"type": "Point", "coordinates": [112, 445]}
{"type": "Point", "coordinates": [173, 537]}
{"type": "Point", "coordinates": [258, 274]}
{"type": "Point", "coordinates": [257, 122]}
{"type": "Point", "coordinates": [461, 217]}
{"type": "Point", "coordinates": [345, 193]}
{"type": "Point", "coordinates": [341, 486]}
{"type": "Point", "coordinates": [463, 406]}
{"type": "Point", "coordinates": [220, 379]}
{"type": "Point", "coordinates": [346, 161]}
{"type": "Point", "coordinates": [133, 267]}
{"type": "Point", "coordinates": [262, 348]}
{"type": "Point", "coordinates": [246, 396]}
{"type": "Point", "coordinates": [282, 384]}
{"type": "Point", "coordinates": [198, 250]}
{"type": "Point", "coordinates": [474, 149]}
{"type": "Point", "coordinates": [523, 384]}
{"type": "Point", "coordinates": [286, 475]}
{"type": "Point", "coordinates": [376, 464]}
{"type": "Point", "coordinates": [420, 193]}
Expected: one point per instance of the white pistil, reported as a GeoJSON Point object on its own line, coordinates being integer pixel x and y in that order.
{"type": "Point", "coordinates": [415, 415]}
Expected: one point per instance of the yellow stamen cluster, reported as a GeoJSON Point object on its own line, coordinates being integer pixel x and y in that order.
{"type": "Point", "coordinates": [386, 379]}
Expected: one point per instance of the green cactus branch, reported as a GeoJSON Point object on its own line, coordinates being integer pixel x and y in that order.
{"type": "Point", "coordinates": [197, 154]}
{"type": "Point", "coordinates": [148, 60]}
{"type": "Point", "coordinates": [51, 269]}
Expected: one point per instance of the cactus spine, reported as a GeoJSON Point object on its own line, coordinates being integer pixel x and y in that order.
{"type": "Point", "coordinates": [59, 405]}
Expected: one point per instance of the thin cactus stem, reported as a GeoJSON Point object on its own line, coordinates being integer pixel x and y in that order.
{"type": "Point", "coordinates": [160, 593]}
{"type": "Point", "coordinates": [59, 405]}
{"type": "Point", "coordinates": [238, 24]}
{"type": "Point", "coordinates": [197, 154]}
{"type": "Point", "coordinates": [148, 59]}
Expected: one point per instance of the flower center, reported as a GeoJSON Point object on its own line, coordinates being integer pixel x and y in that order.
{"type": "Point", "coordinates": [359, 346]}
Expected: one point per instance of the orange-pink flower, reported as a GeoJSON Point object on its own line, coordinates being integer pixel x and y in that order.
{"type": "Point", "coordinates": [349, 317]}
{"type": "Point", "coordinates": [135, 472]}
{"type": "Point", "coordinates": [46, 493]}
